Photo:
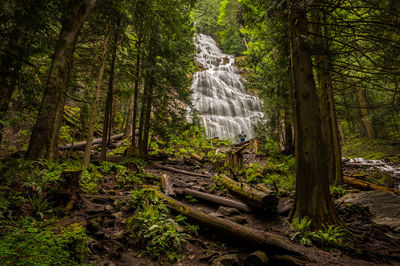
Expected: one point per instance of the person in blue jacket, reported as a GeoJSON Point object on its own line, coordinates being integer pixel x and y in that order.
{"type": "Point", "coordinates": [242, 137]}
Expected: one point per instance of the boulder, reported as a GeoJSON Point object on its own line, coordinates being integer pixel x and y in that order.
{"type": "Point", "coordinates": [226, 260]}
{"type": "Point", "coordinates": [226, 211]}
{"type": "Point", "coordinates": [384, 206]}
{"type": "Point", "coordinates": [257, 258]}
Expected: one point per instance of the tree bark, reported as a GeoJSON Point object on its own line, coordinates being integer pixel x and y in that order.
{"type": "Point", "coordinates": [93, 112]}
{"type": "Point", "coordinates": [73, 19]}
{"type": "Point", "coordinates": [265, 202]}
{"type": "Point", "coordinates": [327, 102]}
{"type": "Point", "coordinates": [135, 99]}
{"type": "Point", "coordinates": [364, 113]}
{"type": "Point", "coordinates": [108, 107]}
{"type": "Point", "coordinates": [312, 197]}
{"type": "Point", "coordinates": [216, 199]}
{"type": "Point", "coordinates": [178, 170]}
{"type": "Point", "coordinates": [243, 234]}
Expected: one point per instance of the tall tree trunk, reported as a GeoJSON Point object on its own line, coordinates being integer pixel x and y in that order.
{"type": "Point", "coordinates": [135, 97]}
{"type": "Point", "coordinates": [312, 197]}
{"type": "Point", "coordinates": [8, 80]}
{"type": "Point", "coordinates": [93, 113]}
{"type": "Point", "coordinates": [108, 107]}
{"type": "Point", "coordinates": [327, 103]}
{"type": "Point", "coordinates": [73, 19]}
{"type": "Point", "coordinates": [128, 120]}
{"type": "Point", "coordinates": [364, 113]}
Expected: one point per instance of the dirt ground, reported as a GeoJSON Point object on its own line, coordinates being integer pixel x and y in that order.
{"type": "Point", "coordinates": [109, 244]}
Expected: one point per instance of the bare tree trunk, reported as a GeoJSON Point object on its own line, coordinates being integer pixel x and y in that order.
{"type": "Point", "coordinates": [93, 113]}
{"type": "Point", "coordinates": [364, 113]}
{"type": "Point", "coordinates": [73, 19]}
{"type": "Point", "coordinates": [108, 107]}
{"type": "Point", "coordinates": [129, 116]}
{"type": "Point", "coordinates": [312, 197]}
{"type": "Point", "coordinates": [327, 103]}
{"type": "Point", "coordinates": [135, 102]}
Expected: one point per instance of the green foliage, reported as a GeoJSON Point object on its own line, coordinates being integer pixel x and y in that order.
{"type": "Point", "coordinates": [191, 140]}
{"type": "Point", "coordinates": [278, 172]}
{"type": "Point", "coordinates": [28, 242]}
{"type": "Point", "coordinates": [39, 205]}
{"type": "Point", "coordinates": [151, 227]}
{"type": "Point", "coordinates": [338, 191]}
{"type": "Point", "coordinates": [191, 199]}
{"type": "Point", "coordinates": [302, 228]}
{"type": "Point", "coordinates": [65, 134]}
{"type": "Point", "coordinates": [206, 15]}
{"type": "Point", "coordinates": [327, 237]}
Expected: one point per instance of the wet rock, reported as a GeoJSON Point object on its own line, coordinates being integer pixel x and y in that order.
{"type": "Point", "coordinates": [226, 211]}
{"type": "Point", "coordinates": [99, 199]}
{"type": "Point", "coordinates": [384, 206]}
{"type": "Point", "coordinates": [93, 227]}
{"type": "Point", "coordinates": [215, 214]}
{"type": "Point", "coordinates": [226, 260]}
{"type": "Point", "coordinates": [257, 258]}
{"type": "Point", "coordinates": [239, 219]}
{"type": "Point", "coordinates": [108, 208]}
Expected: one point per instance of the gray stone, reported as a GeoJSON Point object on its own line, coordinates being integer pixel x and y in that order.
{"type": "Point", "coordinates": [384, 206]}
{"type": "Point", "coordinates": [239, 219]}
{"type": "Point", "coordinates": [226, 260]}
{"type": "Point", "coordinates": [257, 258]}
{"type": "Point", "coordinates": [226, 211]}
{"type": "Point", "coordinates": [215, 214]}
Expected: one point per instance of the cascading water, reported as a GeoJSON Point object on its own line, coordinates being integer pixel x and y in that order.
{"type": "Point", "coordinates": [219, 94]}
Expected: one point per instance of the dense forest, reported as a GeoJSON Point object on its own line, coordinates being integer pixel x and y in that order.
{"type": "Point", "coordinates": [112, 112]}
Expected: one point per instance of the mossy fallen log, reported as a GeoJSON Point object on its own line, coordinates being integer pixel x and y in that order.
{"type": "Point", "coordinates": [81, 145]}
{"type": "Point", "coordinates": [261, 200]}
{"type": "Point", "coordinates": [365, 185]}
{"type": "Point", "coordinates": [245, 235]}
{"type": "Point", "coordinates": [177, 170]}
{"type": "Point", "coordinates": [216, 199]}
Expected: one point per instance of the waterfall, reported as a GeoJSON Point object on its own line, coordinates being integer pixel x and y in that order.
{"type": "Point", "coordinates": [219, 95]}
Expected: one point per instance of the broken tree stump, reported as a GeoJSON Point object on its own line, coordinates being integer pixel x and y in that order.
{"type": "Point", "coordinates": [167, 186]}
{"type": "Point", "coordinates": [65, 193]}
{"type": "Point", "coordinates": [263, 201]}
{"type": "Point", "coordinates": [246, 235]}
{"type": "Point", "coordinates": [234, 159]}
{"type": "Point", "coordinates": [217, 199]}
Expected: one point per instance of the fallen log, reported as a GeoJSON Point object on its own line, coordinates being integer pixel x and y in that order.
{"type": "Point", "coordinates": [177, 170]}
{"type": "Point", "coordinates": [265, 202]}
{"type": "Point", "coordinates": [81, 145]}
{"type": "Point", "coordinates": [255, 238]}
{"type": "Point", "coordinates": [216, 199]}
{"type": "Point", "coordinates": [365, 185]}
{"type": "Point", "coordinates": [241, 149]}
{"type": "Point", "coordinates": [196, 157]}
{"type": "Point", "coordinates": [166, 184]}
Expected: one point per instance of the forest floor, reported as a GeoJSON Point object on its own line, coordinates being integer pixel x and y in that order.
{"type": "Point", "coordinates": [369, 244]}
{"type": "Point", "coordinates": [105, 215]}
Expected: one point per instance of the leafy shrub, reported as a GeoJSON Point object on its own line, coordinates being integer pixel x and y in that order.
{"type": "Point", "coordinates": [302, 234]}
{"type": "Point", "coordinates": [338, 191]}
{"type": "Point", "coordinates": [151, 227]}
{"type": "Point", "coordinates": [28, 242]}
{"type": "Point", "coordinates": [326, 237]}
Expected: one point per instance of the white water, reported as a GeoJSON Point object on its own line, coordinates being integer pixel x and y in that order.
{"type": "Point", "coordinates": [219, 94]}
